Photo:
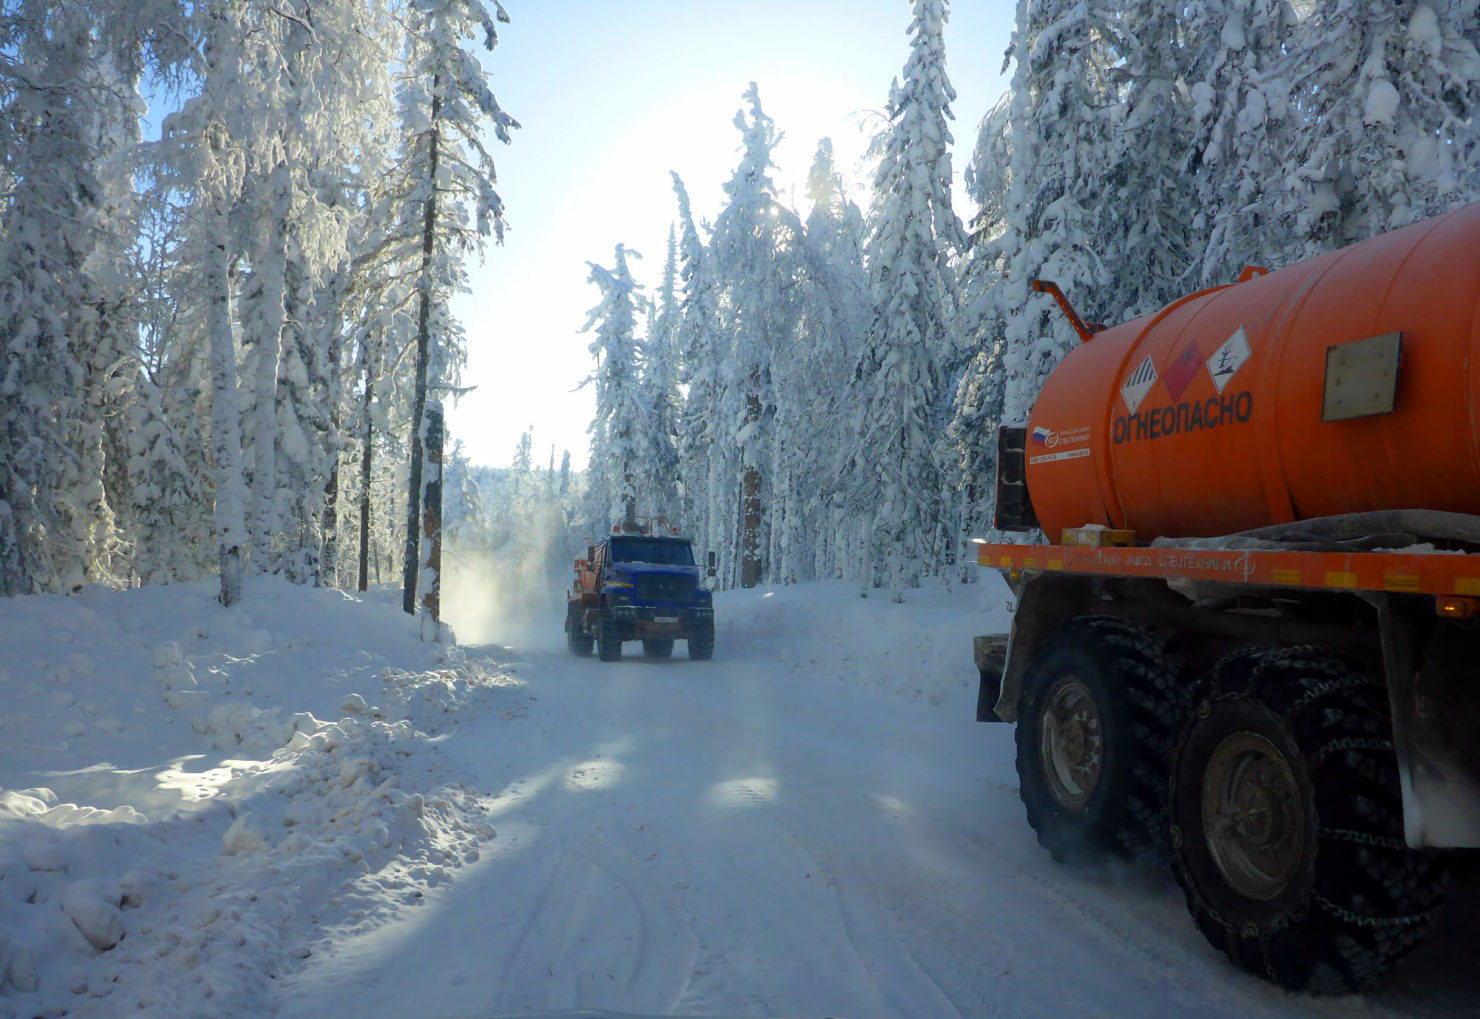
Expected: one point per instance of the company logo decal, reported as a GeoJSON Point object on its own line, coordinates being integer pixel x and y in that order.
{"type": "Point", "coordinates": [1041, 436]}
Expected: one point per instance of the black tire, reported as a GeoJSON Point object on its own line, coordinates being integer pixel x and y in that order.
{"type": "Point", "coordinates": [578, 642]}
{"type": "Point", "coordinates": [608, 638]}
{"type": "Point", "coordinates": [658, 647]}
{"type": "Point", "coordinates": [1309, 882]}
{"type": "Point", "coordinates": [701, 642]}
{"type": "Point", "coordinates": [1096, 721]}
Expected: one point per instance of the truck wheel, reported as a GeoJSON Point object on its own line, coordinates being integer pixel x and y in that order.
{"type": "Point", "coordinates": [1096, 722]}
{"type": "Point", "coordinates": [1287, 823]}
{"type": "Point", "coordinates": [658, 647]}
{"type": "Point", "coordinates": [608, 638]}
{"type": "Point", "coordinates": [701, 642]}
{"type": "Point", "coordinates": [578, 642]}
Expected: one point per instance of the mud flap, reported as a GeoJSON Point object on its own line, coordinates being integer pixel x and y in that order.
{"type": "Point", "coordinates": [1429, 664]}
{"type": "Point", "coordinates": [991, 658]}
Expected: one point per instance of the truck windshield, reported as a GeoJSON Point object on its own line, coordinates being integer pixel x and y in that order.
{"type": "Point", "coordinates": [650, 550]}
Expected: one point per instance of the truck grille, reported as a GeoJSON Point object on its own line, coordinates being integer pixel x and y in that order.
{"type": "Point", "coordinates": [665, 587]}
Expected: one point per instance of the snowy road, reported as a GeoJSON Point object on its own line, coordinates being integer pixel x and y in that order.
{"type": "Point", "coordinates": [740, 837]}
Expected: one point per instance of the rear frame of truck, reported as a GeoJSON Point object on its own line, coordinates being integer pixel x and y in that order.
{"type": "Point", "coordinates": [1295, 729]}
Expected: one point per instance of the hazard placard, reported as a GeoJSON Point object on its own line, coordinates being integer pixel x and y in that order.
{"type": "Point", "coordinates": [1229, 358]}
{"type": "Point", "coordinates": [1135, 388]}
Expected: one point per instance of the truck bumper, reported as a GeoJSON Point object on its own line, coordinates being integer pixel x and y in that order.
{"type": "Point", "coordinates": [657, 621]}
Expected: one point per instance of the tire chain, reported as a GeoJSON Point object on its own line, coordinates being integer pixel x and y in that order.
{"type": "Point", "coordinates": [1349, 743]}
{"type": "Point", "coordinates": [1373, 922]}
{"type": "Point", "coordinates": [1314, 660]}
{"type": "Point", "coordinates": [1362, 838]}
{"type": "Point", "coordinates": [1153, 701]}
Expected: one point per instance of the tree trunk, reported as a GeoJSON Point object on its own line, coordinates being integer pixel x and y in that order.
{"type": "Point", "coordinates": [718, 511]}
{"type": "Point", "coordinates": [423, 347]}
{"type": "Point", "coordinates": [226, 436]}
{"type": "Point", "coordinates": [431, 565]}
{"type": "Point", "coordinates": [330, 546]}
{"type": "Point", "coordinates": [367, 456]}
{"type": "Point", "coordinates": [272, 268]}
{"type": "Point", "coordinates": [329, 554]}
{"type": "Point", "coordinates": [750, 488]}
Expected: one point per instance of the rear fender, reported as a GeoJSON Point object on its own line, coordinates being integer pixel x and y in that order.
{"type": "Point", "coordinates": [1044, 600]}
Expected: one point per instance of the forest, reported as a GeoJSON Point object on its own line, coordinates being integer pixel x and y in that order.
{"type": "Point", "coordinates": [224, 345]}
{"type": "Point", "coordinates": [820, 392]}
{"type": "Point", "coordinates": [219, 343]}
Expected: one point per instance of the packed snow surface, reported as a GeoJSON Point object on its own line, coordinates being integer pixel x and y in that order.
{"type": "Point", "coordinates": [296, 807]}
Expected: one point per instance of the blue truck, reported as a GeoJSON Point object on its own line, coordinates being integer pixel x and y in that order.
{"type": "Point", "coordinates": [640, 586]}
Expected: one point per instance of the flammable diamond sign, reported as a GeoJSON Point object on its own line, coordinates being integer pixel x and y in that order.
{"type": "Point", "coordinates": [1181, 370]}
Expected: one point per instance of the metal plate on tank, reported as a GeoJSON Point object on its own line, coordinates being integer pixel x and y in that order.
{"type": "Point", "coordinates": [1362, 377]}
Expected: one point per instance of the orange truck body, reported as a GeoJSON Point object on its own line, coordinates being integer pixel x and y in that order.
{"type": "Point", "coordinates": [1250, 642]}
{"type": "Point", "coordinates": [1219, 413]}
{"type": "Point", "coordinates": [1347, 384]}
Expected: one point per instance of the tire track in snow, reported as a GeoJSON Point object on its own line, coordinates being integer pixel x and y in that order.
{"type": "Point", "coordinates": [590, 934]}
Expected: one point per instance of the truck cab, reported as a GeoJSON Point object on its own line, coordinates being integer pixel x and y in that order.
{"type": "Point", "coordinates": [640, 586]}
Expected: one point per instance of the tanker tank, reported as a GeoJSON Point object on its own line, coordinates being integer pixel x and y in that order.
{"type": "Point", "coordinates": [1342, 384]}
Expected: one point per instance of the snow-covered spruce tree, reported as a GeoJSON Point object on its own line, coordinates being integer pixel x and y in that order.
{"type": "Point", "coordinates": [344, 155]}
{"type": "Point", "coordinates": [1243, 126]}
{"type": "Point", "coordinates": [971, 436]}
{"type": "Point", "coordinates": [380, 315]}
{"type": "Point", "coordinates": [171, 534]}
{"type": "Point", "coordinates": [660, 386]}
{"type": "Point", "coordinates": [446, 107]}
{"type": "Point", "coordinates": [703, 461]}
{"type": "Point", "coordinates": [1390, 96]}
{"type": "Point", "coordinates": [207, 150]}
{"type": "Point", "coordinates": [1461, 34]}
{"type": "Point", "coordinates": [756, 267]}
{"type": "Point", "coordinates": [322, 96]}
{"type": "Point", "coordinates": [263, 315]}
{"type": "Point", "coordinates": [378, 309]}
{"type": "Point", "coordinates": [170, 471]}
{"type": "Point", "coordinates": [1061, 137]}
{"type": "Point", "coordinates": [1145, 199]}
{"type": "Point", "coordinates": [302, 422]}
{"type": "Point", "coordinates": [105, 327]}
{"type": "Point", "coordinates": [64, 368]}
{"type": "Point", "coordinates": [815, 374]}
{"type": "Point", "coordinates": [913, 236]}
{"type": "Point", "coordinates": [623, 430]}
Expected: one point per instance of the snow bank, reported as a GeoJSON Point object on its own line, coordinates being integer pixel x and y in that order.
{"type": "Point", "coordinates": [919, 650]}
{"type": "Point", "coordinates": [178, 819]}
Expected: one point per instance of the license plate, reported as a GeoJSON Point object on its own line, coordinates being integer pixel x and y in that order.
{"type": "Point", "coordinates": [665, 619]}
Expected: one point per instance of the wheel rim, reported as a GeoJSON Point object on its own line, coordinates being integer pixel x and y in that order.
{"type": "Point", "coordinates": [1253, 816]}
{"type": "Point", "coordinates": [1071, 742]}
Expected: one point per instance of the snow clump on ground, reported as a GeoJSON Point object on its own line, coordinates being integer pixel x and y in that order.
{"type": "Point", "coordinates": [190, 795]}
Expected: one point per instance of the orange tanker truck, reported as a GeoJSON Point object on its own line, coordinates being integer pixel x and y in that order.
{"type": "Point", "coordinates": [1253, 641]}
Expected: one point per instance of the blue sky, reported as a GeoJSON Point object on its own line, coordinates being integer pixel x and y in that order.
{"type": "Point", "coordinates": [613, 96]}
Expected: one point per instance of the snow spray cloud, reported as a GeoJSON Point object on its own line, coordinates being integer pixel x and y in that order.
{"type": "Point", "coordinates": [512, 594]}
